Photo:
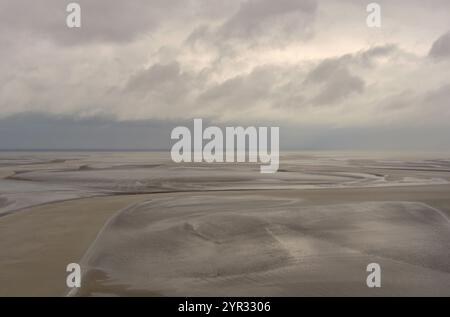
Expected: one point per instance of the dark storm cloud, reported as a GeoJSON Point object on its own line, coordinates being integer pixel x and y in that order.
{"type": "Point", "coordinates": [46, 132]}
{"type": "Point", "coordinates": [441, 47]}
{"type": "Point", "coordinates": [43, 131]}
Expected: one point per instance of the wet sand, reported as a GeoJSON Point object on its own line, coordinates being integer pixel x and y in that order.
{"type": "Point", "coordinates": [271, 244]}
{"type": "Point", "coordinates": [37, 243]}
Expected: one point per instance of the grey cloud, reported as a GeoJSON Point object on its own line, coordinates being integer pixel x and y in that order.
{"type": "Point", "coordinates": [336, 77]}
{"type": "Point", "coordinates": [398, 101]}
{"type": "Point", "coordinates": [155, 76]}
{"type": "Point", "coordinates": [112, 20]}
{"type": "Point", "coordinates": [438, 100]}
{"type": "Point", "coordinates": [441, 47]}
{"type": "Point", "coordinates": [260, 22]}
{"type": "Point", "coordinates": [370, 56]}
{"type": "Point", "coordinates": [424, 107]}
{"type": "Point", "coordinates": [256, 17]}
{"type": "Point", "coordinates": [244, 89]}
{"type": "Point", "coordinates": [324, 70]}
{"type": "Point", "coordinates": [333, 67]}
{"type": "Point", "coordinates": [162, 86]}
{"type": "Point", "coordinates": [380, 50]}
{"type": "Point", "coordinates": [328, 83]}
{"type": "Point", "coordinates": [335, 80]}
{"type": "Point", "coordinates": [339, 86]}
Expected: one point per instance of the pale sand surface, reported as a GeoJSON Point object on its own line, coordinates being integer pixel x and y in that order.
{"type": "Point", "coordinates": [37, 243]}
{"type": "Point", "coordinates": [6, 173]}
{"type": "Point", "coordinates": [272, 244]}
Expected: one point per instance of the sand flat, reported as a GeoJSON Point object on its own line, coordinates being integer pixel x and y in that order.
{"type": "Point", "coordinates": [258, 244]}
{"type": "Point", "coordinates": [45, 238]}
{"type": "Point", "coordinates": [37, 243]}
{"type": "Point", "coordinates": [223, 229]}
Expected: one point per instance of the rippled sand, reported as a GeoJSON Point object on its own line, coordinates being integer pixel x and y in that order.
{"type": "Point", "coordinates": [263, 245]}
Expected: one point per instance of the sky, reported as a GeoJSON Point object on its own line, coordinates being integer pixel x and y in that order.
{"type": "Point", "coordinates": [136, 69]}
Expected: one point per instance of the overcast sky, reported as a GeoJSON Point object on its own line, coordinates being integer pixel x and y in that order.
{"type": "Point", "coordinates": [312, 67]}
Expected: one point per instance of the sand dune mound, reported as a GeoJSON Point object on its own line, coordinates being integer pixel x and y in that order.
{"type": "Point", "coordinates": [268, 247]}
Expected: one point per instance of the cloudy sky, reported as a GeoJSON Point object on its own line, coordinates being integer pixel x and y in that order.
{"type": "Point", "coordinates": [136, 69]}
